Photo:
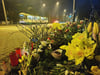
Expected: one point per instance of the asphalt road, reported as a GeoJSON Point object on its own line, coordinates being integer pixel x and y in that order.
{"type": "Point", "coordinates": [10, 38]}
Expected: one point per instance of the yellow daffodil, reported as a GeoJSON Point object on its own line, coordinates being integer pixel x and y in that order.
{"type": "Point", "coordinates": [57, 26]}
{"type": "Point", "coordinates": [95, 28]}
{"type": "Point", "coordinates": [90, 50]}
{"type": "Point", "coordinates": [20, 60]}
{"type": "Point", "coordinates": [79, 56]}
{"type": "Point", "coordinates": [22, 57]}
{"type": "Point", "coordinates": [89, 28]}
{"type": "Point", "coordinates": [79, 60]}
{"type": "Point", "coordinates": [70, 52]}
{"type": "Point", "coordinates": [76, 35]}
{"type": "Point", "coordinates": [91, 56]}
{"type": "Point", "coordinates": [79, 48]}
{"type": "Point", "coordinates": [94, 68]}
{"type": "Point", "coordinates": [63, 47]}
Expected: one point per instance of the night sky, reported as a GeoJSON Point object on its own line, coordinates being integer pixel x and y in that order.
{"type": "Point", "coordinates": [83, 7]}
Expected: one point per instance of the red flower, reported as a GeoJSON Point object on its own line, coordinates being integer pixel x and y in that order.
{"type": "Point", "coordinates": [48, 38]}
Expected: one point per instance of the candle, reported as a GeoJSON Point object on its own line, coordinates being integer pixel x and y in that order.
{"type": "Point", "coordinates": [18, 52]}
{"type": "Point", "coordinates": [32, 46]}
{"type": "Point", "coordinates": [13, 58]}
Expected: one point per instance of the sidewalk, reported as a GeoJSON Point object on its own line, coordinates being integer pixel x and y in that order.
{"type": "Point", "coordinates": [10, 38]}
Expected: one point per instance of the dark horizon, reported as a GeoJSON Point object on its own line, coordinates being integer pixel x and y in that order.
{"type": "Point", "coordinates": [83, 7]}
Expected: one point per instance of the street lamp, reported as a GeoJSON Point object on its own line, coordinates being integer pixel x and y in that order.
{"type": "Point", "coordinates": [44, 5]}
{"type": "Point", "coordinates": [4, 11]}
{"type": "Point", "coordinates": [64, 13]}
{"type": "Point", "coordinates": [57, 3]}
{"type": "Point", "coordinates": [57, 9]}
{"type": "Point", "coordinates": [43, 9]}
{"type": "Point", "coordinates": [64, 10]}
{"type": "Point", "coordinates": [73, 10]}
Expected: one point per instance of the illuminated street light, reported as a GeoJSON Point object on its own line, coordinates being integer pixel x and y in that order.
{"type": "Point", "coordinates": [43, 9]}
{"type": "Point", "coordinates": [57, 3]}
{"type": "Point", "coordinates": [57, 9]}
{"type": "Point", "coordinates": [64, 10]}
{"type": "Point", "coordinates": [44, 5]}
{"type": "Point", "coordinates": [64, 15]}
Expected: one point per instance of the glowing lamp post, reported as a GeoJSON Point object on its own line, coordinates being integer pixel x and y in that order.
{"type": "Point", "coordinates": [57, 7]}
{"type": "Point", "coordinates": [64, 13]}
{"type": "Point", "coordinates": [64, 10]}
{"type": "Point", "coordinates": [44, 5]}
{"type": "Point", "coordinates": [57, 3]}
{"type": "Point", "coordinates": [43, 8]}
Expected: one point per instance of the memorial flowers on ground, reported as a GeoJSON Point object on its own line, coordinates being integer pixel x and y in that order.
{"type": "Point", "coordinates": [59, 49]}
{"type": "Point", "coordinates": [80, 48]}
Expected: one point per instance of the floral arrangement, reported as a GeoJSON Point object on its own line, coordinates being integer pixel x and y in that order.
{"type": "Point", "coordinates": [62, 33]}
{"type": "Point", "coordinates": [60, 49]}
{"type": "Point", "coordinates": [80, 47]}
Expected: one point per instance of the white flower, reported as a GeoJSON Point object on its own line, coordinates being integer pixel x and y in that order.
{"type": "Point", "coordinates": [44, 43]}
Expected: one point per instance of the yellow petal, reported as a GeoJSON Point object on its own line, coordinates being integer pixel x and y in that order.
{"type": "Point", "coordinates": [20, 60]}
{"type": "Point", "coordinates": [79, 60]}
{"type": "Point", "coordinates": [94, 68]}
{"type": "Point", "coordinates": [90, 57]}
{"type": "Point", "coordinates": [22, 57]}
{"type": "Point", "coordinates": [63, 47]}
{"type": "Point", "coordinates": [89, 28]}
{"type": "Point", "coordinates": [95, 28]}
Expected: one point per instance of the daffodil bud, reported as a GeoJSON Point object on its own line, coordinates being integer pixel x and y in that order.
{"type": "Point", "coordinates": [89, 28]}
{"type": "Point", "coordinates": [20, 60]}
{"type": "Point", "coordinates": [95, 28]}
